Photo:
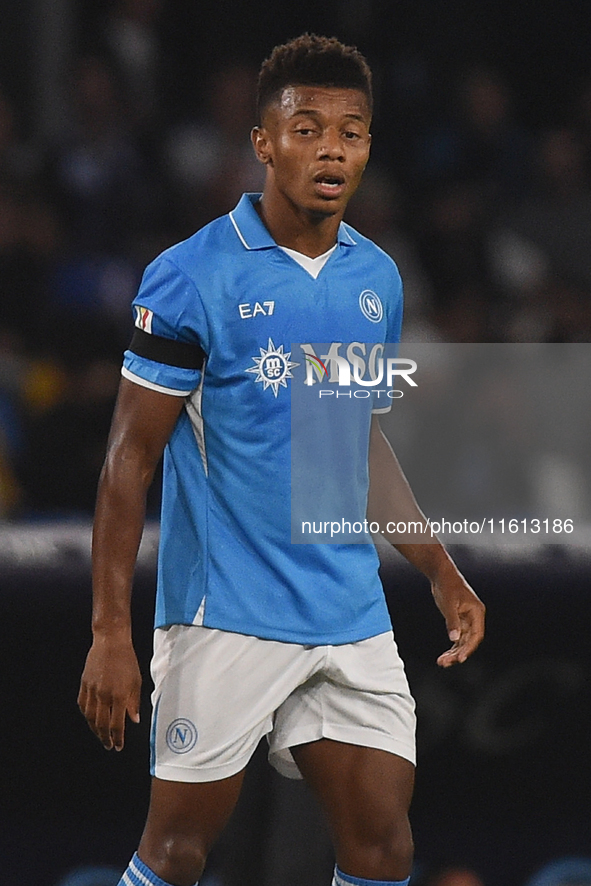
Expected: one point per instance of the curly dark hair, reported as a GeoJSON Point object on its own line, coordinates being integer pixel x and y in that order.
{"type": "Point", "coordinates": [314, 61]}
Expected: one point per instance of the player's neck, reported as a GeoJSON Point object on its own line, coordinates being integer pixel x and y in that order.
{"type": "Point", "coordinates": [297, 229]}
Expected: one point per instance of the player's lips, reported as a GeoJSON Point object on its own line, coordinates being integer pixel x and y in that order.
{"type": "Point", "coordinates": [329, 184]}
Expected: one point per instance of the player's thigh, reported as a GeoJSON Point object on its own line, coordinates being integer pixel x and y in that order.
{"type": "Point", "coordinates": [195, 812]}
{"type": "Point", "coordinates": [215, 697]}
{"type": "Point", "coordinates": [359, 696]}
{"type": "Point", "coordinates": [365, 792]}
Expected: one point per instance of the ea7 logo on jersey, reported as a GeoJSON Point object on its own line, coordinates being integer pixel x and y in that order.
{"type": "Point", "coordinates": [247, 310]}
{"type": "Point", "coordinates": [143, 318]}
{"type": "Point", "coordinates": [273, 367]}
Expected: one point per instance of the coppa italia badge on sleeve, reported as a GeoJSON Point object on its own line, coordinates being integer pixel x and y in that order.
{"type": "Point", "coordinates": [143, 318]}
{"type": "Point", "coordinates": [273, 367]}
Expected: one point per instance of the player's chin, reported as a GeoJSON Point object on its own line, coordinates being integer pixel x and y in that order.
{"type": "Point", "coordinates": [327, 206]}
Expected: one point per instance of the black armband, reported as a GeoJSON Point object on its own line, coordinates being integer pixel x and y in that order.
{"type": "Point", "coordinates": [167, 350]}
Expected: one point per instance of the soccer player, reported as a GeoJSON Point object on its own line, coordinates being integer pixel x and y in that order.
{"type": "Point", "coordinates": [254, 635]}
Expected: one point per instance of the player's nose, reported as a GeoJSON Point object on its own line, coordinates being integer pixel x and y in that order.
{"type": "Point", "coordinates": [331, 145]}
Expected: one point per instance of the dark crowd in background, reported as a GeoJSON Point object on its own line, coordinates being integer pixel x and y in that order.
{"type": "Point", "coordinates": [479, 187]}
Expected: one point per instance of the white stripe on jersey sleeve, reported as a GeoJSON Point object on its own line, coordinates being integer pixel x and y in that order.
{"type": "Point", "coordinates": [138, 380]}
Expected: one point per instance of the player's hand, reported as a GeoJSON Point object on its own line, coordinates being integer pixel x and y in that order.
{"type": "Point", "coordinates": [464, 616]}
{"type": "Point", "coordinates": [110, 689]}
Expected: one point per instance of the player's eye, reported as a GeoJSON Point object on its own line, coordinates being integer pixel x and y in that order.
{"type": "Point", "coordinates": [305, 130]}
{"type": "Point", "coordinates": [351, 135]}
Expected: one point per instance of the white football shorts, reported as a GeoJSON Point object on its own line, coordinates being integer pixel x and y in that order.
{"type": "Point", "coordinates": [218, 693]}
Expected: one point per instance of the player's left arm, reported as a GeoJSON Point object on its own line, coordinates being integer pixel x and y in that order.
{"type": "Point", "coordinates": [391, 501]}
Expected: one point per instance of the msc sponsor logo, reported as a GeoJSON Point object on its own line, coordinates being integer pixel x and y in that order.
{"type": "Point", "coordinates": [365, 368]}
{"type": "Point", "coordinates": [181, 736]}
{"type": "Point", "coordinates": [273, 367]}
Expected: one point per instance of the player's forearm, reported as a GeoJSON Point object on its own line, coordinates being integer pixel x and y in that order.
{"type": "Point", "coordinates": [431, 559]}
{"type": "Point", "coordinates": [117, 532]}
{"type": "Point", "coordinates": [391, 502]}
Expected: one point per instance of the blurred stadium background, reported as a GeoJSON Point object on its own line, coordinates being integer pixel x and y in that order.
{"type": "Point", "coordinates": [124, 127]}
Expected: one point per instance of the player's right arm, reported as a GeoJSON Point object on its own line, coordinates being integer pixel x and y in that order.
{"type": "Point", "coordinates": [110, 687]}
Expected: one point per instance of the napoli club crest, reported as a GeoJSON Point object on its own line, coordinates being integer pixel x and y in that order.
{"type": "Point", "coordinates": [371, 306]}
{"type": "Point", "coordinates": [181, 736]}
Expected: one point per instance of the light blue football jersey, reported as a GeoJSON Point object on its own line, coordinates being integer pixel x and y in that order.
{"type": "Point", "coordinates": [226, 558]}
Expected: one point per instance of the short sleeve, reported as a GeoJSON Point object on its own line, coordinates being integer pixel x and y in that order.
{"type": "Point", "coordinates": [394, 308]}
{"type": "Point", "coordinates": [394, 311]}
{"type": "Point", "coordinates": [170, 341]}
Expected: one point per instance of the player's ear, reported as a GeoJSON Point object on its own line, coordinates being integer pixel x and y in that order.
{"type": "Point", "coordinates": [261, 144]}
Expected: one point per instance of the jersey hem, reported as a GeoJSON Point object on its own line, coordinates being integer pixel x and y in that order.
{"type": "Point", "coordinates": [299, 639]}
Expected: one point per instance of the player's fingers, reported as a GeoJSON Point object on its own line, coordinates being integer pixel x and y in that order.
{"type": "Point", "coordinates": [472, 630]}
{"type": "Point", "coordinates": [133, 706]}
{"type": "Point", "coordinates": [467, 646]}
{"type": "Point", "coordinates": [102, 723]}
{"type": "Point", "coordinates": [471, 636]}
{"type": "Point", "coordinates": [466, 637]}
{"type": "Point", "coordinates": [454, 629]}
{"type": "Point", "coordinates": [88, 708]}
{"type": "Point", "coordinates": [449, 657]}
{"type": "Point", "coordinates": [454, 632]}
{"type": "Point", "coordinates": [117, 730]}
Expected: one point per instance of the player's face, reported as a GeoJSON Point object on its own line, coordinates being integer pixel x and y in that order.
{"type": "Point", "coordinates": [315, 141]}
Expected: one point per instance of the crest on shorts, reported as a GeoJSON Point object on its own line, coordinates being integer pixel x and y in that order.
{"type": "Point", "coordinates": [273, 367]}
{"type": "Point", "coordinates": [181, 736]}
